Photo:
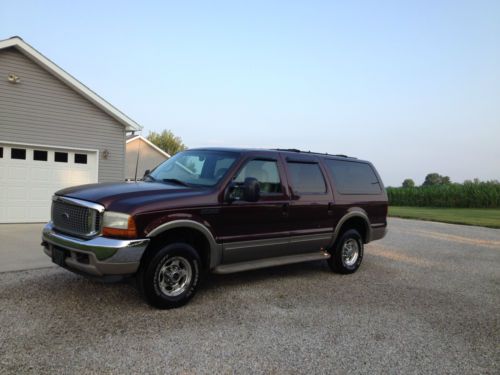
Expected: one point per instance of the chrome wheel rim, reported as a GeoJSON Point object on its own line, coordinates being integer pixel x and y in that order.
{"type": "Point", "coordinates": [175, 276]}
{"type": "Point", "coordinates": [350, 252]}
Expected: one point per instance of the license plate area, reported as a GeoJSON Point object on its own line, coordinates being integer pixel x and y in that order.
{"type": "Point", "coordinates": [59, 255]}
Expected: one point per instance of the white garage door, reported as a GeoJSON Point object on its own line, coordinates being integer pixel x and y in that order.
{"type": "Point", "coordinates": [29, 176]}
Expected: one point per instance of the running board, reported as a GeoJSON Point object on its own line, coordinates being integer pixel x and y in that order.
{"type": "Point", "coordinates": [270, 262]}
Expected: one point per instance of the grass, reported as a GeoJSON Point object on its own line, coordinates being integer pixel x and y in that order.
{"type": "Point", "coordinates": [484, 217]}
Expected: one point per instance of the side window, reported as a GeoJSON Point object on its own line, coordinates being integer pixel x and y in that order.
{"type": "Point", "coordinates": [306, 178]}
{"type": "Point", "coordinates": [351, 177]}
{"type": "Point", "coordinates": [265, 171]}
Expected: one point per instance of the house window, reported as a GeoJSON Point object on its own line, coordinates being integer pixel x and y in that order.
{"type": "Point", "coordinates": [40, 155]}
{"type": "Point", "coordinates": [81, 158]}
{"type": "Point", "coordinates": [18, 153]}
{"type": "Point", "coordinates": [61, 157]}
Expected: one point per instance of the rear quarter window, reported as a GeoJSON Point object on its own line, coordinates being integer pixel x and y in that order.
{"type": "Point", "coordinates": [351, 177]}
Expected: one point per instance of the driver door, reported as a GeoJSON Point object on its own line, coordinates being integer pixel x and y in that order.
{"type": "Point", "coordinates": [256, 230]}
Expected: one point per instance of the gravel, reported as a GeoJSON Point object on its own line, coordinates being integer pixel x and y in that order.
{"type": "Point", "coordinates": [426, 300]}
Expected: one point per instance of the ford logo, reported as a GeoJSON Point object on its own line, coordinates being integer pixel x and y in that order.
{"type": "Point", "coordinates": [65, 216]}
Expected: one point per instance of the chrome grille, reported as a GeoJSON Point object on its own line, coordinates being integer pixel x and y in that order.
{"type": "Point", "coordinates": [75, 219]}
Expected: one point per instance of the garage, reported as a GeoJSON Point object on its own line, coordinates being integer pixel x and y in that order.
{"type": "Point", "coordinates": [54, 133]}
{"type": "Point", "coordinates": [32, 173]}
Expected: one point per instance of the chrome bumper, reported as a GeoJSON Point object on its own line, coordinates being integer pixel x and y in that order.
{"type": "Point", "coordinates": [99, 256]}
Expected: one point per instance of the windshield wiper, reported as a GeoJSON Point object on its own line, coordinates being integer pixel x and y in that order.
{"type": "Point", "coordinates": [176, 181]}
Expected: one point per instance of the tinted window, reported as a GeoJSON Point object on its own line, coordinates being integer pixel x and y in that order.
{"type": "Point", "coordinates": [61, 157]}
{"type": "Point", "coordinates": [353, 177]}
{"type": "Point", "coordinates": [265, 171]}
{"type": "Point", "coordinates": [40, 155]}
{"type": "Point", "coordinates": [81, 158]}
{"type": "Point", "coordinates": [306, 178]}
{"type": "Point", "coordinates": [18, 153]}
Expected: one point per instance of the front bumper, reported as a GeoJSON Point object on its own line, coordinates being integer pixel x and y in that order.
{"type": "Point", "coordinates": [99, 256]}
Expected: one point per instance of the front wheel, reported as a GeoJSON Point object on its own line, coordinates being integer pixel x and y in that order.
{"type": "Point", "coordinates": [170, 277]}
{"type": "Point", "coordinates": [347, 252]}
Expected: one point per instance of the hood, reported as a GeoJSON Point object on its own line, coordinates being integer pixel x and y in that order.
{"type": "Point", "coordinates": [129, 196]}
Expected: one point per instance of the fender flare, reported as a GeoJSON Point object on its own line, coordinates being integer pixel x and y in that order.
{"type": "Point", "coordinates": [215, 248]}
{"type": "Point", "coordinates": [353, 214]}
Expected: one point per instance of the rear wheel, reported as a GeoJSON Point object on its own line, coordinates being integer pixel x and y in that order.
{"type": "Point", "coordinates": [347, 252]}
{"type": "Point", "coordinates": [169, 277]}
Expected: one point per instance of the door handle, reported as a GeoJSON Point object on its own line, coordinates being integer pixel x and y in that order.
{"type": "Point", "coordinates": [284, 208]}
{"type": "Point", "coordinates": [330, 208]}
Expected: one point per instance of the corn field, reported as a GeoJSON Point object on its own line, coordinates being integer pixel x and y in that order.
{"type": "Point", "coordinates": [468, 195]}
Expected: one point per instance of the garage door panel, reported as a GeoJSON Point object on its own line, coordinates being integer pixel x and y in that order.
{"type": "Point", "coordinates": [26, 186]}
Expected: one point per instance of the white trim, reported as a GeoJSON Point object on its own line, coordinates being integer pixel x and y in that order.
{"type": "Point", "coordinates": [149, 143]}
{"type": "Point", "coordinates": [26, 49]}
{"type": "Point", "coordinates": [47, 146]}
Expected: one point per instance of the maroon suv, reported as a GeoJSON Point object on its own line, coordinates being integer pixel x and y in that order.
{"type": "Point", "coordinates": [218, 210]}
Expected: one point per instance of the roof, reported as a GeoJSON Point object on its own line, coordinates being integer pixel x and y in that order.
{"type": "Point", "coordinates": [131, 138]}
{"type": "Point", "coordinates": [23, 47]}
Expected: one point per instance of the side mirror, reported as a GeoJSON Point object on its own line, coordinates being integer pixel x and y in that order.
{"type": "Point", "coordinates": [146, 173]}
{"type": "Point", "coordinates": [251, 189]}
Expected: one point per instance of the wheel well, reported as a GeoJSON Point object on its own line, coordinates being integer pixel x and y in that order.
{"type": "Point", "coordinates": [357, 223]}
{"type": "Point", "coordinates": [190, 236]}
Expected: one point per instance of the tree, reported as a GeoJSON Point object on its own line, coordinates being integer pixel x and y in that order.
{"type": "Point", "coordinates": [167, 141]}
{"type": "Point", "coordinates": [436, 179]}
{"type": "Point", "coordinates": [408, 183]}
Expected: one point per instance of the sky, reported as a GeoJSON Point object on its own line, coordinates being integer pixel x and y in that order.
{"type": "Point", "coordinates": [413, 86]}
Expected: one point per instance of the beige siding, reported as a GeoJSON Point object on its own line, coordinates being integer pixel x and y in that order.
{"type": "Point", "coordinates": [148, 158]}
{"type": "Point", "coordinates": [43, 110]}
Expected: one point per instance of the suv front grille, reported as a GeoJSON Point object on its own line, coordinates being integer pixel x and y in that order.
{"type": "Point", "coordinates": [75, 219]}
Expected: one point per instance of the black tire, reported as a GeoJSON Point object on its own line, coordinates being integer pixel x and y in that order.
{"type": "Point", "coordinates": [341, 264]}
{"type": "Point", "coordinates": [155, 285]}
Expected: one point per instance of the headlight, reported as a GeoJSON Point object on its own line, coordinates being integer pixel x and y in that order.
{"type": "Point", "coordinates": [117, 224]}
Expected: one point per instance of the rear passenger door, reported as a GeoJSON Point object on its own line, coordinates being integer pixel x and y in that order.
{"type": "Point", "coordinates": [310, 212]}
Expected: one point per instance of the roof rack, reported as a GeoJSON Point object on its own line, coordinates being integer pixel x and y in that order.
{"type": "Point", "coordinates": [310, 152]}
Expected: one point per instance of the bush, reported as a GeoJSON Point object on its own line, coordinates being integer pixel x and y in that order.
{"type": "Point", "coordinates": [467, 195]}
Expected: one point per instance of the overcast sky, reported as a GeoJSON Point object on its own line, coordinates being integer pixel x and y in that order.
{"type": "Point", "coordinates": [412, 86]}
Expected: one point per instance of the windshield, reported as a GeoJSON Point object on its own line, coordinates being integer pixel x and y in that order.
{"type": "Point", "coordinates": [195, 168]}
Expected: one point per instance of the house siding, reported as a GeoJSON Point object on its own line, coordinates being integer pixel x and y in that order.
{"type": "Point", "coordinates": [149, 158]}
{"type": "Point", "coordinates": [41, 109]}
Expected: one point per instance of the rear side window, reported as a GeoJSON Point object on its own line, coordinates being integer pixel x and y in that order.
{"type": "Point", "coordinates": [350, 177]}
{"type": "Point", "coordinates": [306, 178]}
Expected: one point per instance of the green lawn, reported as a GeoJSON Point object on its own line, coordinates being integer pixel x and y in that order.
{"type": "Point", "coordinates": [484, 217]}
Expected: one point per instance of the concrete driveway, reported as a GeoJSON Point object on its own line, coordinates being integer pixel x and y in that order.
{"type": "Point", "coordinates": [20, 247]}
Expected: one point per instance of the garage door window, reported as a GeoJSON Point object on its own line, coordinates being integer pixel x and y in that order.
{"type": "Point", "coordinates": [81, 158]}
{"type": "Point", "coordinates": [40, 155]}
{"type": "Point", "coordinates": [18, 153]}
{"type": "Point", "coordinates": [61, 157]}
